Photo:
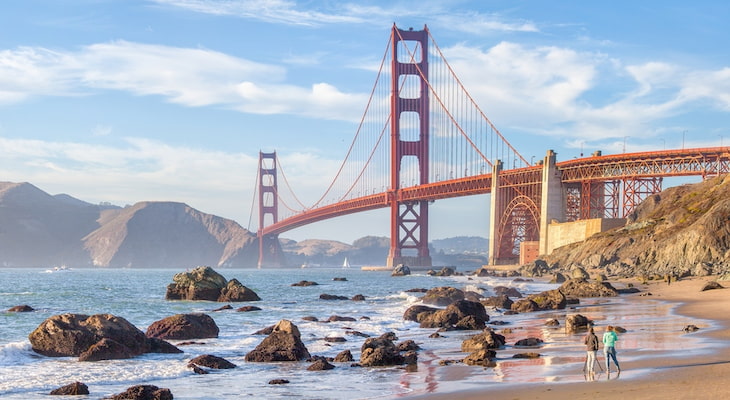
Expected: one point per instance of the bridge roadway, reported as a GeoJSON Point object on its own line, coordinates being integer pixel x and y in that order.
{"type": "Point", "coordinates": [684, 162]}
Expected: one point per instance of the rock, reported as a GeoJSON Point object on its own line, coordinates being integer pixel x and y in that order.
{"type": "Point", "coordinates": [501, 301]}
{"type": "Point", "coordinates": [202, 283]}
{"type": "Point", "coordinates": [278, 382]}
{"type": "Point", "coordinates": [527, 355]}
{"type": "Point", "coordinates": [283, 344]}
{"type": "Point", "coordinates": [310, 318]}
{"type": "Point", "coordinates": [305, 283]}
{"type": "Point", "coordinates": [583, 288]}
{"type": "Point", "coordinates": [417, 290]}
{"type": "Point", "coordinates": [236, 292]}
{"type": "Point", "coordinates": [485, 340]}
{"type": "Point", "coordinates": [462, 315]}
{"type": "Point", "coordinates": [73, 389]}
{"type": "Point", "coordinates": [357, 333]}
{"type": "Point", "coordinates": [339, 279]}
{"type": "Point", "coordinates": [358, 297]}
{"type": "Point", "coordinates": [69, 335]}
{"type": "Point", "coordinates": [211, 361]}
{"type": "Point", "coordinates": [576, 323]}
{"type": "Point", "coordinates": [507, 291]}
{"type": "Point", "coordinates": [320, 364]}
{"type": "Point", "coordinates": [337, 318]}
{"type": "Point", "coordinates": [558, 278]}
{"type": "Point", "coordinates": [197, 370]}
{"type": "Point", "coordinates": [548, 300]}
{"type": "Point", "coordinates": [408, 345]}
{"type": "Point", "coordinates": [248, 309]}
{"type": "Point", "coordinates": [334, 339]}
{"type": "Point", "coordinates": [265, 331]}
{"type": "Point", "coordinates": [524, 305]}
{"type": "Point", "coordinates": [579, 273]}
{"type": "Point", "coordinates": [325, 296]}
{"type": "Point", "coordinates": [157, 345]}
{"type": "Point", "coordinates": [23, 308]}
{"type": "Point", "coordinates": [184, 327]}
{"type": "Point", "coordinates": [691, 328]}
{"type": "Point", "coordinates": [143, 392]}
{"type": "Point", "coordinates": [529, 342]}
{"type": "Point", "coordinates": [552, 322]}
{"type": "Point", "coordinates": [380, 351]}
{"type": "Point", "coordinates": [226, 307]}
{"type": "Point", "coordinates": [106, 349]}
{"type": "Point", "coordinates": [401, 270]}
{"type": "Point", "coordinates": [711, 286]}
{"type": "Point", "coordinates": [344, 356]}
{"type": "Point", "coordinates": [445, 271]}
{"type": "Point", "coordinates": [411, 314]}
{"type": "Point", "coordinates": [442, 296]}
{"type": "Point", "coordinates": [481, 357]}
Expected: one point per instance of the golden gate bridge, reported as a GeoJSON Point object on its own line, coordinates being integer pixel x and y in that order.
{"type": "Point", "coordinates": [422, 138]}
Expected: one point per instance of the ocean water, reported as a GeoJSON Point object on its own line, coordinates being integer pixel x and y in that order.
{"type": "Point", "coordinates": [139, 297]}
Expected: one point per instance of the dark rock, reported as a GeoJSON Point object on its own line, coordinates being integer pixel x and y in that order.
{"type": "Point", "coordinates": [435, 335]}
{"type": "Point", "coordinates": [529, 342]}
{"type": "Point", "coordinates": [339, 279]}
{"type": "Point", "coordinates": [417, 290]}
{"type": "Point", "coordinates": [401, 270]}
{"type": "Point", "coordinates": [197, 370]}
{"type": "Point", "coordinates": [73, 389]}
{"type": "Point", "coordinates": [407, 345]}
{"type": "Point", "coordinates": [235, 291]}
{"type": "Point", "coordinates": [265, 331]}
{"type": "Point", "coordinates": [691, 328]}
{"type": "Point", "coordinates": [143, 392]}
{"type": "Point", "coordinates": [310, 318]}
{"type": "Point", "coordinates": [380, 351]}
{"type": "Point", "coordinates": [445, 271]}
{"type": "Point", "coordinates": [106, 349]}
{"type": "Point", "coordinates": [305, 283]}
{"type": "Point", "coordinates": [558, 278]}
{"type": "Point", "coordinates": [334, 339]}
{"type": "Point", "coordinates": [23, 308]}
{"type": "Point", "coordinates": [188, 343]}
{"type": "Point", "coordinates": [358, 297]}
{"type": "Point", "coordinates": [548, 300]}
{"type": "Point", "coordinates": [583, 288]}
{"type": "Point", "coordinates": [485, 340]}
{"type": "Point", "coordinates": [462, 314]}
{"type": "Point", "coordinates": [278, 382]}
{"type": "Point", "coordinates": [501, 301]}
{"type": "Point", "coordinates": [410, 357]}
{"type": "Point", "coordinates": [157, 345]}
{"type": "Point", "coordinates": [211, 361]}
{"type": "Point", "coordinates": [320, 364]}
{"type": "Point", "coordinates": [507, 291]}
{"type": "Point", "coordinates": [283, 344]}
{"type": "Point", "coordinates": [524, 305]}
{"type": "Point", "coordinates": [357, 333]}
{"type": "Point", "coordinates": [482, 358]}
{"type": "Point", "coordinates": [68, 335]}
{"type": "Point", "coordinates": [226, 307]}
{"type": "Point", "coordinates": [442, 296]}
{"type": "Point", "coordinates": [527, 355]}
{"type": "Point", "coordinates": [184, 327]}
{"type": "Point", "coordinates": [325, 296]}
{"type": "Point", "coordinates": [576, 323]}
{"type": "Point", "coordinates": [337, 318]}
{"type": "Point", "coordinates": [248, 309]}
{"type": "Point", "coordinates": [711, 286]}
{"type": "Point", "coordinates": [411, 314]}
{"type": "Point", "coordinates": [344, 356]}
{"type": "Point", "coordinates": [552, 322]}
{"type": "Point", "coordinates": [202, 283]}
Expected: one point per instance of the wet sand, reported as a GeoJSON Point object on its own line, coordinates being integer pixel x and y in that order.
{"type": "Point", "coordinates": [690, 376]}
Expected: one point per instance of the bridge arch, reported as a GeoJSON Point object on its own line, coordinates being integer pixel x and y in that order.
{"type": "Point", "coordinates": [519, 222]}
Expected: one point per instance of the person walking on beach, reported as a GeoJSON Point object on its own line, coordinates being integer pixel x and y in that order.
{"type": "Point", "coordinates": [591, 342]}
{"type": "Point", "coordinates": [609, 348]}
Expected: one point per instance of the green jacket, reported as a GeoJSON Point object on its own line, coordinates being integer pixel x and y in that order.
{"type": "Point", "coordinates": [609, 338]}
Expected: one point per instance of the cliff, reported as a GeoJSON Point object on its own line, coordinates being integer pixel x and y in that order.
{"type": "Point", "coordinates": [684, 230]}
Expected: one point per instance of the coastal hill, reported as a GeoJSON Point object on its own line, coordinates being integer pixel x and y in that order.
{"type": "Point", "coordinates": [38, 229]}
{"type": "Point", "coordinates": [682, 231]}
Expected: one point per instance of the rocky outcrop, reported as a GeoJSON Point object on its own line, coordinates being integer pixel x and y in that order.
{"type": "Point", "coordinates": [69, 335]}
{"type": "Point", "coordinates": [73, 389]}
{"type": "Point", "coordinates": [283, 344]}
{"type": "Point", "coordinates": [485, 340]}
{"type": "Point", "coordinates": [184, 327]}
{"type": "Point", "coordinates": [442, 296]}
{"type": "Point", "coordinates": [23, 308]}
{"type": "Point", "coordinates": [501, 301]}
{"type": "Point", "coordinates": [579, 287]}
{"type": "Point", "coordinates": [400, 270]}
{"type": "Point", "coordinates": [460, 315]}
{"type": "Point", "coordinates": [548, 300]}
{"type": "Point", "coordinates": [382, 351]}
{"type": "Point", "coordinates": [211, 361]}
{"type": "Point", "coordinates": [143, 392]}
{"type": "Point", "coordinates": [679, 232]}
{"type": "Point", "coordinates": [204, 283]}
{"type": "Point", "coordinates": [411, 314]}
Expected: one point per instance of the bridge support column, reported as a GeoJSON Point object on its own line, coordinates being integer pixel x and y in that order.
{"type": "Point", "coordinates": [409, 76]}
{"type": "Point", "coordinates": [270, 253]}
{"type": "Point", "coordinates": [496, 210]}
{"type": "Point", "coordinates": [552, 200]}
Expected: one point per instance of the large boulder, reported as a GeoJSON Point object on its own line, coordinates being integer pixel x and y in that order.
{"type": "Point", "coordinates": [211, 361]}
{"type": "Point", "coordinates": [106, 349]}
{"type": "Point", "coordinates": [547, 300]}
{"type": "Point", "coordinates": [184, 327]}
{"type": "Point", "coordinates": [442, 296]}
{"type": "Point", "coordinates": [204, 283]}
{"type": "Point", "coordinates": [488, 339]}
{"type": "Point", "coordinates": [460, 315]}
{"type": "Point", "coordinates": [284, 343]}
{"type": "Point", "coordinates": [584, 288]}
{"type": "Point", "coordinates": [73, 389]}
{"type": "Point", "coordinates": [501, 301]}
{"type": "Point", "coordinates": [576, 323]}
{"type": "Point", "coordinates": [69, 335]}
{"type": "Point", "coordinates": [381, 351]}
{"type": "Point", "coordinates": [143, 392]}
{"type": "Point", "coordinates": [401, 270]}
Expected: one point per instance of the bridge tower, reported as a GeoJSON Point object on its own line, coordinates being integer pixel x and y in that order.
{"type": "Point", "coordinates": [269, 250]}
{"type": "Point", "coordinates": [409, 105]}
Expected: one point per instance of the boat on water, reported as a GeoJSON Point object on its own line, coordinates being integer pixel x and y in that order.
{"type": "Point", "coordinates": [345, 264]}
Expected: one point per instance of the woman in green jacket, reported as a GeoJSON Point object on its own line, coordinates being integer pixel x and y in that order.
{"type": "Point", "coordinates": [609, 349]}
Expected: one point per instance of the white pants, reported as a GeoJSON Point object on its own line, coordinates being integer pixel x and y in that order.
{"type": "Point", "coordinates": [590, 361]}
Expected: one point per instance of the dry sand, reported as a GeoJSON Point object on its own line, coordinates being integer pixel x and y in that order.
{"type": "Point", "coordinates": [693, 377]}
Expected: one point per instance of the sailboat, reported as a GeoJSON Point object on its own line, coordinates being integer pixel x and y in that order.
{"type": "Point", "coordinates": [346, 264]}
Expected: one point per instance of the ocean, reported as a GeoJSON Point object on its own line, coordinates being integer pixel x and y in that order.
{"type": "Point", "coordinates": [139, 296]}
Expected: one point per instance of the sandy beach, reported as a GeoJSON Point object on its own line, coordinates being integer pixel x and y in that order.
{"type": "Point", "coordinates": [681, 377]}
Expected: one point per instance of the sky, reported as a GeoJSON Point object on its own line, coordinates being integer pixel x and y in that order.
{"type": "Point", "coordinates": [172, 100]}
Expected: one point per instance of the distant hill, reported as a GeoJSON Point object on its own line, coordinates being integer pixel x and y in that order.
{"type": "Point", "coordinates": [37, 229]}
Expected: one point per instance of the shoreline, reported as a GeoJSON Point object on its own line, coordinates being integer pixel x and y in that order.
{"type": "Point", "coordinates": [680, 377]}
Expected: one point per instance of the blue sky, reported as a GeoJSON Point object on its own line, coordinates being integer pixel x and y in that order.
{"type": "Point", "coordinates": [125, 101]}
